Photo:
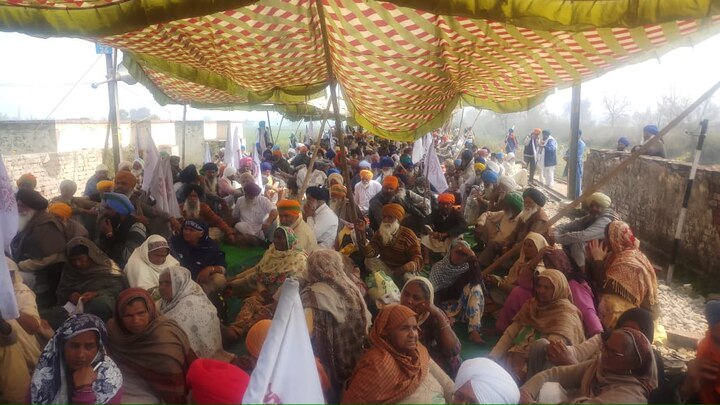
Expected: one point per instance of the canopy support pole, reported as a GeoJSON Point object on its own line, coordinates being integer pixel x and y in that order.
{"type": "Point", "coordinates": [614, 172]}
{"type": "Point", "coordinates": [277, 138]}
{"type": "Point", "coordinates": [113, 99]}
{"type": "Point", "coordinates": [184, 133]}
{"type": "Point", "coordinates": [267, 114]}
{"type": "Point", "coordinates": [572, 188]}
{"type": "Point", "coordinates": [338, 120]}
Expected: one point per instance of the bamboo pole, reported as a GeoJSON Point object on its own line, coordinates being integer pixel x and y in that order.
{"type": "Point", "coordinates": [614, 172]}
{"type": "Point", "coordinates": [315, 146]}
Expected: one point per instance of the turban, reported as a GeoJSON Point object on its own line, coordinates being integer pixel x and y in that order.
{"type": "Point", "coordinates": [126, 177]}
{"type": "Point", "coordinates": [535, 195]}
{"type": "Point", "coordinates": [188, 174]}
{"type": "Point", "coordinates": [330, 154]}
{"type": "Point", "coordinates": [479, 167]}
{"type": "Point", "coordinates": [318, 193]}
{"type": "Point", "coordinates": [480, 159]}
{"type": "Point", "coordinates": [366, 175]}
{"type": "Point", "coordinates": [246, 162]}
{"type": "Point", "coordinates": [336, 177]}
{"type": "Point", "coordinates": [60, 209]}
{"type": "Point", "coordinates": [302, 148]}
{"type": "Point", "coordinates": [624, 141]}
{"type": "Point", "coordinates": [216, 382]}
{"type": "Point", "coordinates": [457, 162]}
{"type": "Point", "coordinates": [119, 203]}
{"type": "Point", "coordinates": [209, 166]}
{"type": "Point", "coordinates": [229, 172]}
{"type": "Point", "coordinates": [393, 210]}
{"type": "Point", "coordinates": [514, 200]}
{"type": "Point", "coordinates": [338, 190]}
{"type": "Point", "coordinates": [364, 164]}
{"type": "Point", "coordinates": [67, 183]}
{"type": "Point", "coordinates": [446, 198]}
{"type": "Point", "coordinates": [332, 170]}
{"type": "Point", "coordinates": [27, 178]}
{"type": "Point", "coordinates": [189, 188]}
{"type": "Point", "coordinates": [265, 166]}
{"type": "Point", "coordinates": [277, 153]}
{"type": "Point", "coordinates": [466, 155]}
{"type": "Point", "coordinates": [500, 155]}
{"type": "Point", "coordinates": [291, 207]}
{"type": "Point", "coordinates": [490, 383]}
{"type": "Point", "coordinates": [545, 132]}
{"type": "Point", "coordinates": [196, 224]}
{"type": "Point", "coordinates": [507, 182]}
{"type": "Point", "coordinates": [391, 181]}
{"type": "Point", "coordinates": [386, 162]}
{"type": "Point", "coordinates": [406, 160]}
{"type": "Point", "coordinates": [537, 131]}
{"type": "Point", "coordinates": [104, 186]}
{"type": "Point", "coordinates": [252, 190]}
{"type": "Point", "coordinates": [101, 168]}
{"type": "Point", "coordinates": [256, 337]}
{"type": "Point", "coordinates": [651, 129]}
{"type": "Point", "coordinates": [599, 199]}
{"type": "Point", "coordinates": [489, 176]}
{"type": "Point", "coordinates": [32, 199]}
{"type": "Point", "coordinates": [712, 312]}
{"type": "Point", "coordinates": [493, 166]}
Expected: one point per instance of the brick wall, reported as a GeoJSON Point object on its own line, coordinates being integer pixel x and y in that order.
{"type": "Point", "coordinates": [52, 168]}
{"type": "Point", "coordinates": [649, 196]}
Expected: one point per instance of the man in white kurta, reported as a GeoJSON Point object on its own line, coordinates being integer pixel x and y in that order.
{"type": "Point", "coordinates": [256, 214]}
{"type": "Point", "coordinates": [365, 190]}
{"type": "Point", "coordinates": [322, 219]}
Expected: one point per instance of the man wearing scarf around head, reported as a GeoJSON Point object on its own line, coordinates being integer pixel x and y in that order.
{"type": "Point", "coordinates": [443, 226]}
{"type": "Point", "coordinates": [120, 233]}
{"type": "Point", "coordinates": [155, 220]}
{"type": "Point", "coordinates": [38, 247]}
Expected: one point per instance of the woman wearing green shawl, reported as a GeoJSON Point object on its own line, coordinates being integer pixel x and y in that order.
{"type": "Point", "coordinates": [282, 260]}
{"type": "Point", "coordinates": [89, 279]}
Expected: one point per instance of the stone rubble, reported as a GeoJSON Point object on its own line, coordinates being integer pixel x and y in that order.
{"type": "Point", "coordinates": [681, 310]}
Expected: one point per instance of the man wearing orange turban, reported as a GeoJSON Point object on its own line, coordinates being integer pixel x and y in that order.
{"type": "Point", "coordinates": [398, 247]}
{"type": "Point", "coordinates": [416, 206]}
{"type": "Point", "coordinates": [289, 213]}
{"type": "Point", "coordinates": [27, 181]}
{"type": "Point", "coordinates": [365, 190]}
{"type": "Point", "coordinates": [153, 218]}
{"type": "Point", "coordinates": [443, 226]}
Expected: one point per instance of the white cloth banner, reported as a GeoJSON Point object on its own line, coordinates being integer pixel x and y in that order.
{"type": "Point", "coordinates": [419, 148]}
{"type": "Point", "coordinates": [232, 149]}
{"type": "Point", "coordinates": [150, 155]}
{"type": "Point", "coordinates": [8, 229]}
{"type": "Point", "coordinates": [286, 372]}
{"type": "Point", "coordinates": [256, 163]}
{"type": "Point", "coordinates": [208, 156]}
{"type": "Point", "coordinates": [435, 175]}
{"type": "Point", "coordinates": [161, 188]}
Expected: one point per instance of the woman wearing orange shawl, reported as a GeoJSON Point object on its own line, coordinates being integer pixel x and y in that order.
{"type": "Point", "coordinates": [398, 368]}
{"type": "Point", "coordinates": [153, 352]}
{"type": "Point", "coordinates": [550, 315]}
{"type": "Point", "coordinates": [626, 277]}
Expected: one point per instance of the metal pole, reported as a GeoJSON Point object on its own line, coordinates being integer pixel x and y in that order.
{"type": "Point", "coordinates": [113, 115]}
{"type": "Point", "coordinates": [267, 114]}
{"type": "Point", "coordinates": [686, 199]}
{"type": "Point", "coordinates": [614, 172]}
{"type": "Point", "coordinates": [572, 190]}
{"type": "Point", "coordinates": [184, 132]}
{"type": "Point", "coordinates": [282, 118]}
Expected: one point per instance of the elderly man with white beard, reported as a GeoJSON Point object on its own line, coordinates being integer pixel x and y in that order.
{"type": "Point", "coordinates": [320, 217]}
{"type": "Point", "coordinates": [531, 219]}
{"type": "Point", "coordinates": [39, 246]}
{"type": "Point", "coordinates": [256, 216]}
{"type": "Point", "coordinates": [394, 249]}
{"type": "Point", "coordinates": [194, 208]}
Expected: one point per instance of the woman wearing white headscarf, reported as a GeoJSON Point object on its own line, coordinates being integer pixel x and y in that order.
{"type": "Point", "coordinates": [147, 262]}
{"type": "Point", "coordinates": [185, 302]}
{"type": "Point", "coordinates": [482, 381]}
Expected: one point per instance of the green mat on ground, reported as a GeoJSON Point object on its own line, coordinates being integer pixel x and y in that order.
{"type": "Point", "coordinates": [242, 258]}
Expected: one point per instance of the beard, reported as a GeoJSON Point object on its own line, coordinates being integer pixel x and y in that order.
{"type": "Point", "coordinates": [526, 213]}
{"type": "Point", "coordinates": [24, 219]}
{"type": "Point", "coordinates": [388, 231]}
{"type": "Point", "coordinates": [191, 210]}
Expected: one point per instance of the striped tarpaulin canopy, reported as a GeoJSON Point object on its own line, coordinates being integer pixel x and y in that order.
{"type": "Point", "coordinates": [402, 65]}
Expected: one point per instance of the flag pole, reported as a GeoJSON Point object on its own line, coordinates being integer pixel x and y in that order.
{"type": "Point", "coordinates": [606, 179]}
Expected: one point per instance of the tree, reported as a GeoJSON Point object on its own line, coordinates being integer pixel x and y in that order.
{"type": "Point", "coordinates": [616, 106]}
{"type": "Point", "coordinates": [142, 113]}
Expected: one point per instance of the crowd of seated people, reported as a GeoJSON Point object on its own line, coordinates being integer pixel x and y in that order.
{"type": "Point", "coordinates": [121, 301]}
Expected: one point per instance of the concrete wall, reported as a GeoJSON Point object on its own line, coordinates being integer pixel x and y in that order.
{"type": "Point", "coordinates": [194, 141]}
{"type": "Point", "coordinates": [52, 168]}
{"type": "Point", "coordinates": [27, 136]}
{"type": "Point", "coordinates": [649, 193]}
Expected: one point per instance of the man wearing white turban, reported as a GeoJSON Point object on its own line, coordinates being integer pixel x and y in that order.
{"type": "Point", "coordinates": [575, 234]}
{"type": "Point", "coordinates": [482, 381]}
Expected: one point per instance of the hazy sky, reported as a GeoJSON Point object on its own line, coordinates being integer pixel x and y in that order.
{"type": "Point", "coordinates": [36, 74]}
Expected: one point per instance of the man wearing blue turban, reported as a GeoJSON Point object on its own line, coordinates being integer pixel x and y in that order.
{"type": "Point", "coordinates": [658, 149]}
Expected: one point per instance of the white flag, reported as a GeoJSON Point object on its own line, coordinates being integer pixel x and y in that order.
{"type": "Point", "coordinates": [208, 156]}
{"type": "Point", "coordinates": [419, 148]}
{"type": "Point", "coordinates": [161, 188]}
{"type": "Point", "coordinates": [151, 157]}
{"type": "Point", "coordinates": [232, 148]}
{"type": "Point", "coordinates": [435, 175]}
{"type": "Point", "coordinates": [8, 229]}
{"type": "Point", "coordinates": [286, 372]}
{"type": "Point", "coordinates": [256, 162]}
